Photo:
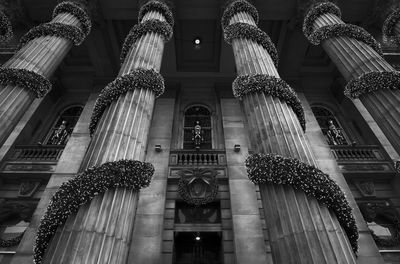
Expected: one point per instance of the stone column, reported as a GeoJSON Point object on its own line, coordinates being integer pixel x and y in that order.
{"type": "Point", "coordinates": [391, 26]}
{"type": "Point", "coordinates": [358, 57]}
{"type": "Point", "coordinates": [300, 229]}
{"type": "Point", "coordinates": [101, 231]}
{"type": "Point", "coordinates": [25, 76]}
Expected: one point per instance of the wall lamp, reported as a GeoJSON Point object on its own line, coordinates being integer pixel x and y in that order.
{"type": "Point", "coordinates": [236, 148]}
{"type": "Point", "coordinates": [157, 148]}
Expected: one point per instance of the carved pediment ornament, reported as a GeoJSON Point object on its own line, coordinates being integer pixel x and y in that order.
{"type": "Point", "coordinates": [28, 188]}
{"type": "Point", "coordinates": [367, 188]}
{"type": "Point", "coordinates": [198, 186]}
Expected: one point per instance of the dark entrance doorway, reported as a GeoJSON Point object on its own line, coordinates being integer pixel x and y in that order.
{"type": "Point", "coordinates": [197, 248]}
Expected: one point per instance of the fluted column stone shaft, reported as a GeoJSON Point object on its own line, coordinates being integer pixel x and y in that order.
{"type": "Point", "coordinates": [41, 55]}
{"type": "Point", "coordinates": [354, 58]}
{"type": "Point", "coordinates": [300, 229]}
{"type": "Point", "coordinates": [101, 231]}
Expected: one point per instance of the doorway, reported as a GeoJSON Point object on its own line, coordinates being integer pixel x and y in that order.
{"type": "Point", "coordinates": [197, 248]}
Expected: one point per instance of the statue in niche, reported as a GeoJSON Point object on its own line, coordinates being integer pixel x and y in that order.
{"type": "Point", "coordinates": [60, 135]}
{"type": "Point", "coordinates": [335, 136]}
{"type": "Point", "coordinates": [197, 135]}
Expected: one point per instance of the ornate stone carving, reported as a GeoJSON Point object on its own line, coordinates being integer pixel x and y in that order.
{"type": "Point", "coordinates": [367, 188]}
{"type": "Point", "coordinates": [198, 186]}
{"type": "Point", "coordinates": [28, 188]}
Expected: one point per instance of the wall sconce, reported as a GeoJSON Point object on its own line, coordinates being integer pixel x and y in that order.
{"type": "Point", "coordinates": [236, 148]}
{"type": "Point", "coordinates": [157, 148]}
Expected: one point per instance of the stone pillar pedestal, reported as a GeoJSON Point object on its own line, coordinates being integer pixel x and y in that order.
{"type": "Point", "coordinates": [41, 55]}
{"type": "Point", "coordinates": [101, 231]}
{"type": "Point", "coordinates": [300, 229]}
{"type": "Point", "coordinates": [356, 60]}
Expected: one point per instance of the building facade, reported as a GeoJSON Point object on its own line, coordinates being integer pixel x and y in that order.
{"type": "Point", "coordinates": [200, 132]}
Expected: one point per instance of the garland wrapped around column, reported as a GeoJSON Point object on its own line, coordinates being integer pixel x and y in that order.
{"type": "Point", "coordinates": [292, 189]}
{"type": "Point", "coordinates": [359, 58]}
{"type": "Point", "coordinates": [6, 32]}
{"type": "Point", "coordinates": [130, 174]}
{"type": "Point", "coordinates": [25, 76]}
{"type": "Point", "coordinates": [269, 168]}
{"type": "Point", "coordinates": [138, 79]}
{"type": "Point", "coordinates": [119, 129]}
{"type": "Point", "coordinates": [29, 80]}
{"type": "Point", "coordinates": [269, 85]}
{"type": "Point", "coordinates": [391, 26]}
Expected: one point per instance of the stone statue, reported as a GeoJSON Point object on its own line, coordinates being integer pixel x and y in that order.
{"type": "Point", "coordinates": [335, 136]}
{"type": "Point", "coordinates": [197, 135]}
{"type": "Point", "coordinates": [60, 135]}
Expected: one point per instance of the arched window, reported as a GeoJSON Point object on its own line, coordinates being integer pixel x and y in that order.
{"type": "Point", "coordinates": [197, 128]}
{"type": "Point", "coordinates": [330, 126]}
{"type": "Point", "coordinates": [61, 130]}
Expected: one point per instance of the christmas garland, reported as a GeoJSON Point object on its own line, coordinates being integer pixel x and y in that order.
{"type": "Point", "coordinates": [237, 7]}
{"type": "Point", "coordinates": [56, 29]}
{"type": "Point", "coordinates": [6, 32]}
{"type": "Point", "coordinates": [138, 79]}
{"type": "Point", "coordinates": [247, 31]}
{"type": "Point", "coordinates": [317, 11]}
{"type": "Point", "coordinates": [26, 79]}
{"type": "Point", "coordinates": [183, 192]}
{"type": "Point", "coordinates": [272, 86]}
{"type": "Point", "coordinates": [130, 174]}
{"type": "Point", "coordinates": [372, 81]}
{"type": "Point", "coordinates": [11, 242]}
{"type": "Point", "coordinates": [275, 169]}
{"type": "Point", "coordinates": [75, 10]}
{"type": "Point", "coordinates": [345, 30]}
{"type": "Point", "coordinates": [389, 25]}
{"type": "Point", "coordinates": [159, 7]}
{"type": "Point", "coordinates": [138, 30]}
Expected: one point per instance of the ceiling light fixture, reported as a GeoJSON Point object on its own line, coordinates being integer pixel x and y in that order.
{"type": "Point", "coordinates": [197, 41]}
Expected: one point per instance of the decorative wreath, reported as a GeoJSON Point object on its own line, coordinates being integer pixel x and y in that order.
{"type": "Point", "coordinates": [317, 11]}
{"type": "Point", "coordinates": [205, 177]}
{"type": "Point", "coordinates": [56, 29]}
{"type": "Point", "coordinates": [137, 79]}
{"type": "Point", "coordinates": [389, 25]}
{"type": "Point", "coordinates": [130, 174]}
{"type": "Point", "coordinates": [26, 79]}
{"type": "Point", "coordinates": [159, 7]}
{"type": "Point", "coordinates": [247, 31]}
{"type": "Point", "coordinates": [77, 11]}
{"type": "Point", "coordinates": [6, 32]}
{"type": "Point", "coordinates": [5, 243]}
{"type": "Point", "coordinates": [138, 30]}
{"type": "Point", "coordinates": [345, 30]}
{"type": "Point", "coordinates": [237, 7]}
{"type": "Point", "coordinates": [372, 81]}
{"type": "Point", "coordinates": [275, 169]}
{"type": "Point", "coordinates": [270, 85]}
